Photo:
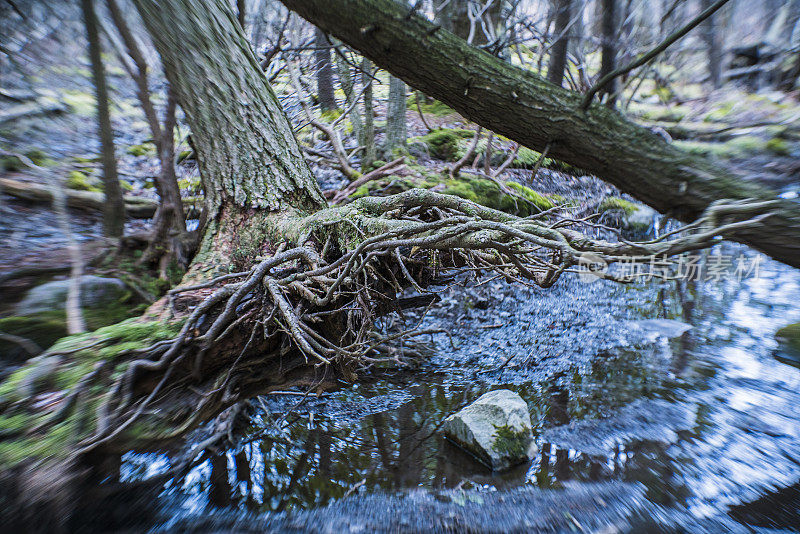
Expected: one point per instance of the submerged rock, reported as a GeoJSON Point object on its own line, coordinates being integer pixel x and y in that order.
{"type": "Point", "coordinates": [95, 291]}
{"type": "Point", "coordinates": [496, 429]}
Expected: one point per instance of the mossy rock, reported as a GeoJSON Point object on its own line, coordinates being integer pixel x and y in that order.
{"type": "Point", "coordinates": [435, 107]}
{"type": "Point", "coordinates": [790, 335]}
{"type": "Point", "coordinates": [144, 149]}
{"type": "Point", "coordinates": [617, 204]}
{"type": "Point", "coordinates": [778, 146]}
{"type": "Point", "coordinates": [46, 327]}
{"type": "Point", "coordinates": [52, 373]}
{"type": "Point", "coordinates": [330, 115]}
{"type": "Point", "coordinates": [444, 144]}
{"type": "Point", "coordinates": [37, 156]}
{"type": "Point", "coordinates": [79, 181]}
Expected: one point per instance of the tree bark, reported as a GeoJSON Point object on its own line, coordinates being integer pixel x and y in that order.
{"type": "Point", "coordinates": [395, 116]}
{"type": "Point", "coordinates": [368, 132]}
{"type": "Point", "coordinates": [114, 210]}
{"type": "Point", "coordinates": [712, 40]}
{"type": "Point", "coordinates": [246, 151]}
{"type": "Point", "coordinates": [526, 108]}
{"type": "Point", "coordinates": [558, 51]}
{"type": "Point", "coordinates": [608, 58]}
{"type": "Point", "coordinates": [322, 54]}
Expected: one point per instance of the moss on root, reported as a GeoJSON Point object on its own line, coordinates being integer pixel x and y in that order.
{"type": "Point", "coordinates": [51, 374]}
{"type": "Point", "coordinates": [474, 188]}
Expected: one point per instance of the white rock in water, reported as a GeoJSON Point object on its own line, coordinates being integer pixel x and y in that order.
{"type": "Point", "coordinates": [496, 429]}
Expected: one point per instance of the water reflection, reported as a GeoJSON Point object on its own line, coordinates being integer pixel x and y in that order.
{"type": "Point", "coordinates": [742, 440]}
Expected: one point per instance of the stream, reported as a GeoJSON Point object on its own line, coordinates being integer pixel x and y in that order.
{"type": "Point", "coordinates": [635, 430]}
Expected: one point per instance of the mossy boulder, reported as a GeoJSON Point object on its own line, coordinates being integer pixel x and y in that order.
{"type": "Point", "coordinates": [617, 204]}
{"type": "Point", "coordinates": [80, 181]}
{"type": "Point", "coordinates": [790, 336]}
{"type": "Point", "coordinates": [429, 106]}
{"type": "Point", "coordinates": [495, 429]}
{"type": "Point", "coordinates": [445, 143]}
{"type": "Point", "coordinates": [144, 149]}
{"type": "Point", "coordinates": [95, 292]}
{"type": "Point", "coordinates": [45, 325]}
{"type": "Point", "coordinates": [37, 156]}
{"type": "Point", "coordinates": [50, 374]}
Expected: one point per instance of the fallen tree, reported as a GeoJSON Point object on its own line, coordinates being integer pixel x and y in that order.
{"type": "Point", "coordinates": [536, 113]}
{"type": "Point", "coordinates": [136, 207]}
{"type": "Point", "coordinates": [284, 289]}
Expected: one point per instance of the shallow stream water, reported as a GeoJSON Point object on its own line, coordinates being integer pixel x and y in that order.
{"type": "Point", "coordinates": [706, 424]}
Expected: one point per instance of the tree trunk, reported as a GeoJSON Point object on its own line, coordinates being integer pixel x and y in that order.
{"type": "Point", "coordinates": [558, 51]}
{"type": "Point", "coordinates": [368, 133]}
{"type": "Point", "coordinates": [712, 40]}
{"type": "Point", "coordinates": [526, 108]}
{"type": "Point", "coordinates": [395, 117]}
{"type": "Point", "coordinates": [114, 210]}
{"type": "Point", "coordinates": [322, 54]}
{"type": "Point", "coordinates": [348, 87]}
{"type": "Point", "coordinates": [608, 58]}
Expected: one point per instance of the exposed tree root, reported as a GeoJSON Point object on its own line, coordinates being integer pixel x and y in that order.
{"type": "Point", "coordinates": [315, 311]}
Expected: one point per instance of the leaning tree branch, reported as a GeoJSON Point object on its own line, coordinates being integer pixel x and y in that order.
{"type": "Point", "coordinates": [526, 108]}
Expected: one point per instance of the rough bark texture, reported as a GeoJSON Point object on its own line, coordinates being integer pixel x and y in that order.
{"type": "Point", "coordinates": [396, 115]}
{"type": "Point", "coordinates": [322, 54]}
{"type": "Point", "coordinates": [528, 109]}
{"type": "Point", "coordinates": [558, 51]}
{"type": "Point", "coordinates": [243, 160]}
{"type": "Point", "coordinates": [114, 210]}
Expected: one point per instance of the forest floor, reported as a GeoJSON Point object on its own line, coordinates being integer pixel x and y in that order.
{"type": "Point", "coordinates": [635, 429]}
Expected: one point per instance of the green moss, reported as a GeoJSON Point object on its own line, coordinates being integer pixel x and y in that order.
{"type": "Point", "coordinates": [80, 102]}
{"type": "Point", "coordinates": [44, 329]}
{"type": "Point", "coordinates": [470, 187]}
{"type": "Point", "coordinates": [720, 113]}
{"type": "Point", "coordinates": [144, 149]}
{"type": "Point", "coordinates": [510, 442]}
{"type": "Point", "coordinates": [617, 204]}
{"type": "Point", "coordinates": [79, 181]}
{"type": "Point", "coordinates": [790, 335]}
{"type": "Point", "coordinates": [37, 156]}
{"type": "Point", "coordinates": [708, 149]}
{"type": "Point", "coordinates": [377, 164]}
{"type": "Point", "coordinates": [444, 143]}
{"type": "Point", "coordinates": [487, 193]}
{"type": "Point", "coordinates": [330, 115]}
{"type": "Point", "coordinates": [185, 155]}
{"type": "Point", "coordinates": [778, 146]}
{"type": "Point", "coordinates": [433, 108]}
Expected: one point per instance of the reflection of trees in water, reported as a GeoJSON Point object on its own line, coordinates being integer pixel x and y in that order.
{"type": "Point", "coordinates": [318, 459]}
